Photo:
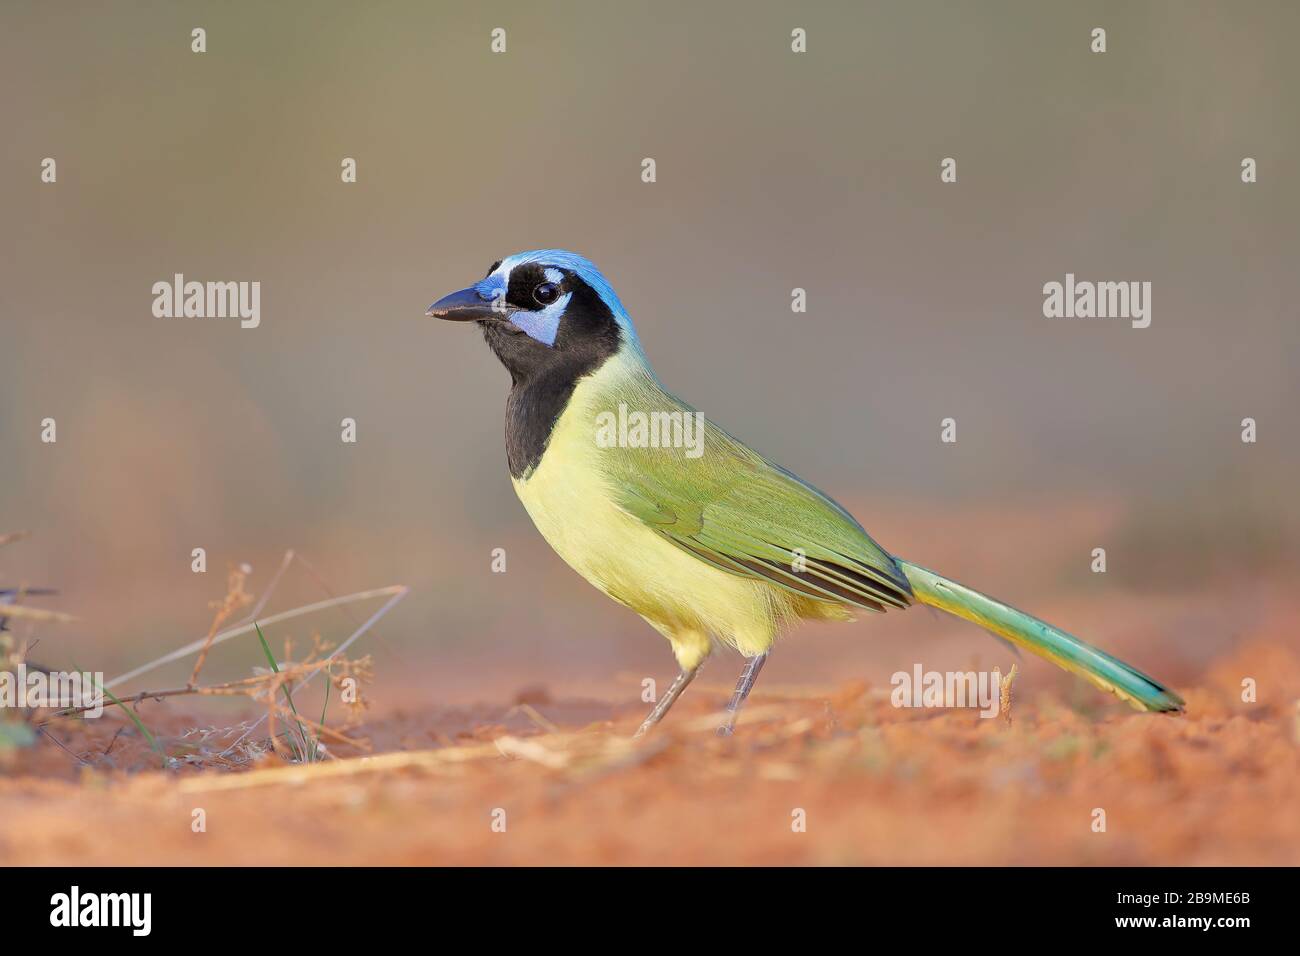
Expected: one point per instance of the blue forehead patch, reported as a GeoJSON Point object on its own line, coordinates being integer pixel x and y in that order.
{"type": "Point", "coordinates": [491, 287]}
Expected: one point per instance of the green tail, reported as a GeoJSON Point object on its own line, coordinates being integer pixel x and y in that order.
{"type": "Point", "coordinates": [1106, 672]}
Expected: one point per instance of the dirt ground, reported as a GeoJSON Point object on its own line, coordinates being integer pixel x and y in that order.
{"type": "Point", "coordinates": [822, 769]}
{"type": "Point", "coordinates": [813, 776]}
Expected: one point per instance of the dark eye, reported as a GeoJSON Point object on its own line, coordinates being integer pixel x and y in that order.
{"type": "Point", "coordinates": [546, 293]}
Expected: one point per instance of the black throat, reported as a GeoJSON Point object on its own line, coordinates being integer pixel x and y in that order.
{"type": "Point", "coordinates": [543, 377]}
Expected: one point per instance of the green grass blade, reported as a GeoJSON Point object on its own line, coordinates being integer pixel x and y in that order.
{"type": "Point", "coordinates": [266, 649]}
{"type": "Point", "coordinates": [135, 718]}
{"type": "Point", "coordinates": [325, 709]}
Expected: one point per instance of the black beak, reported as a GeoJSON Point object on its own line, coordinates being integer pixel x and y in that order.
{"type": "Point", "coordinates": [463, 306]}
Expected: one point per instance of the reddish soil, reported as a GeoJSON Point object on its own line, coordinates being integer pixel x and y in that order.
{"type": "Point", "coordinates": [875, 785]}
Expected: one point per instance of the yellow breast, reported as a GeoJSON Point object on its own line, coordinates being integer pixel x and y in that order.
{"type": "Point", "coordinates": [687, 600]}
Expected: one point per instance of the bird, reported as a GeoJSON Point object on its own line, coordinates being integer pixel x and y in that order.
{"type": "Point", "coordinates": [711, 543]}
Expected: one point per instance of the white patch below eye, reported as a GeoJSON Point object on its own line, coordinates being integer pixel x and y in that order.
{"type": "Point", "coordinates": [545, 324]}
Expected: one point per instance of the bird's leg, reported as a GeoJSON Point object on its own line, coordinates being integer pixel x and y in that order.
{"type": "Point", "coordinates": [666, 701]}
{"type": "Point", "coordinates": [743, 687]}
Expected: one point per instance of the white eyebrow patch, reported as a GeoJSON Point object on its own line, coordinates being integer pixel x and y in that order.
{"type": "Point", "coordinates": [554, 275]}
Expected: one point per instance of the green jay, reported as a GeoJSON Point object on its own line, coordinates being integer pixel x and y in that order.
{"type": "Point", "coordinates": [667, 514]}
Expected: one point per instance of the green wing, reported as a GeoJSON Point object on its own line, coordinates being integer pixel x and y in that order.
{"type": "Point", "coordinates": [737, 511]}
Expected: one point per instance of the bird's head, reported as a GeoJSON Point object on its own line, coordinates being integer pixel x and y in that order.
{"type": "Point", "coordinates": [541, 309]}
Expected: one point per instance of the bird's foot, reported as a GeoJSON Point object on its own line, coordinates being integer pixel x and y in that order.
{"type": "Point", "coordinates": [661, 708]}
{"type": "Point", "coordinates": [745, 685]}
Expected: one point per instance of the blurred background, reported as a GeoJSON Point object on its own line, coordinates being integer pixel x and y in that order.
{"type": "Point", "coordinates": [775, 171]}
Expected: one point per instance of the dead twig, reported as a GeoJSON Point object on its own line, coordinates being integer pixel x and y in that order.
{"type": "Point", "coordinates": [25, 612]}
{"type": "Point", "coordinates": [1004, 694]}
{"type": "Point", "coordinates": [531, 712]}
{"type": "Point", "coordinates": [394, 592]}
{"type": "Point", "coordinates": [236, 598]}
{"type": "Point", "coordinates": [588, 753]}
{"type": "Point", "coordinates": [257, 686]}
{"type": "Point", "coordinates": [58, 743]}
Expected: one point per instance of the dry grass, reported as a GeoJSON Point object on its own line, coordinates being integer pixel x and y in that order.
{"type": "Point", "coordinates": [875, 784]}
{"type": "Point", "coordinates": [272, 688]}
{"type": "Point", "coordinates": [547, 781]}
